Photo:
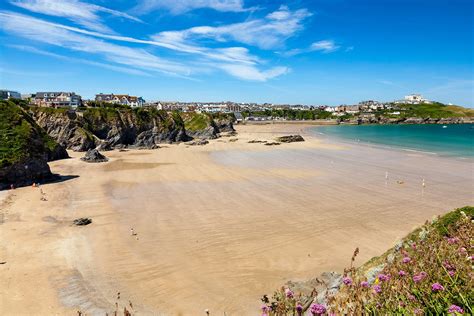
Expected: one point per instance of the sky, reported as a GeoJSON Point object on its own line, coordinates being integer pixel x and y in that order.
{"type": "Point", "coordinates": [316, 52]}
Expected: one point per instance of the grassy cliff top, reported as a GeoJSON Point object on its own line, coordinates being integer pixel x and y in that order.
{"type": "Point", "coordinates": [20, 137]}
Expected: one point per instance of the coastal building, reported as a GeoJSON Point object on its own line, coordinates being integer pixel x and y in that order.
{"type": "Point", "coordinates": [57, 99]}
{"type": "Point", "coordinates": [413, 99]}
{"type": "Point", "coordinates": [123, 99]}
{"type": "Point", "coordinates": [9, 94]}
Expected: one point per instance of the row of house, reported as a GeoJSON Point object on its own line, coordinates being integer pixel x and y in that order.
{"type": "Point", "coordinates": [123, 99]}
{"type": "Point", "coordinates": [70, 99]}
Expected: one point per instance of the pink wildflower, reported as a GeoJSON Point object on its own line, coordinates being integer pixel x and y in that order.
{"type": "Point", "coordinates": [384, 277]}
{"type": "Point", "coordinates": [462, 250]}
{"type": "Point", "coordinates": [453, 309]}
{"type": "Point", "coordinates": [451, 273]}
{"type": "Point", "coordinates": [418, 311]}
{"type": "Point", "coordinates": [377, 289]}
{"type": "Point", "coordinates": [453, 240]}
{"type": "Point", "coordinates": [317, 309]}
{"type": "Point", "coordinates": [411, 297]}
{"type": "Point", "coordinates": [436, 287]}
{"type": "Point", "coordinates": [299, 309]}
{"type": "Point", "coordinates": [402, 273]}
{"type": "Point", "coordinates": [419, 277]}
{"type": "Point", "coordinates": [264, 310]}
{"type": "Point", "coordinates": [364, 284]}
{"type": "Point", "coordinates": [406, 260]}
{"type": "Point", "coordinates": [289, 293]}
{"type": "Point", "coordinates": [347, 281]}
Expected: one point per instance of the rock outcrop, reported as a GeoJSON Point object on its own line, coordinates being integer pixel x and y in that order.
{"type": "Point", "coordinates": [207, 126]}
{"type": "Point", "coordinates": [83, 221]}
{"type": "Point", "coordinates": [290, 139]}
{"type": "Point", "coordinates": [93, 155]}
{"type": "Point", "coordinates": [109, 128]}
{"type": "Point", "coordinates": [25, 148]}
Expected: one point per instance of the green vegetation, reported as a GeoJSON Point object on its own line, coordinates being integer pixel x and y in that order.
{"type": "Point", "coordinates": [20, 137]}
{"type": "Point", "coordinates": [428, 273]}
{"type": "Point", "coordinates": [290, 114]}
{"type": "Point", "coordinates": [428, 110]}
{"type": "Point", "coordinates": [103, 104]}
{"type": "Point", "coordinates": [196, 121]}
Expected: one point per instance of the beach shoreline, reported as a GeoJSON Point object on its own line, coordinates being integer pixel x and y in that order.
{"type": "Point", "coordinates": [217, 226]}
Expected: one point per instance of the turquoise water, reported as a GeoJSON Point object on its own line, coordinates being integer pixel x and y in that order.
{"type": "Point", "coordinates": [453, 140]}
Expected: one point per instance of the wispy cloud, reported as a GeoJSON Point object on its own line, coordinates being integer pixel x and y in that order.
{"type": "Point", "coordinates": [269, 32]}
{"type": "Point", "coordinates": [50, 33]}
{"type": "Point", "coordinates": [324, 46]}
{"type": "Point", "coordinates": [236, 61]}
{"type": "Point", "coordinates": [35, 50]}
{"type": "Point", "coordinates": [81, 13]}
{"type": "Point", "coordinates": [183, 6]}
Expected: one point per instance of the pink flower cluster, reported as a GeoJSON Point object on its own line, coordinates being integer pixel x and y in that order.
{"type": "Point", "coordinates": [419, 277]}
{"type": "Point", "coordinates": [453, 309]}
{"type": "Point", "coordinates": [347, 281]}
{"type": "Point", "coordinates": [289, 293]}
{"type": "Point", "coordinates": [384, 277]}
{"type": "Point", "coordinates": [318, 309]}
{"type": "Point", "coordinates": [436, 287]}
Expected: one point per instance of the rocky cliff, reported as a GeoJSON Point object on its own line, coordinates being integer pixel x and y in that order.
{"type": "Point", "coordinates": [25, 148]}
{"type": "Point", "coordinates": [109, 128]}
{"type": "Point", "coordinates": [207, 126]}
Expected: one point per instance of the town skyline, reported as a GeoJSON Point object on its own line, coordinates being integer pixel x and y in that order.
{"type": "Point", "coordinates": [303, 52]}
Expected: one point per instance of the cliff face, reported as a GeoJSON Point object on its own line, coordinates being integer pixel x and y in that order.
{"type": "Point", "coordinates": [25, 148]}
{"type": "Point", "coordinates": [206, 126]}
{"type": "Point", "coordinates": [108, 128]}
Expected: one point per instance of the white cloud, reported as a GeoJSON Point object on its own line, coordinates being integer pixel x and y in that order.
{"type": "Point", "coordinates": [35, 50]}
{"type": "Point", "coordinates": [50, 33]}
{"type": "Point", "coordinates": [236, 61]}
{"type": "Point", "coordinates": [268, 32]}
{"type": "Point", "coordinates": [183, 6]}
{"type": "Point", "coordinates": [247, 72]}
{"type": "Point", "coordinates": [82, 13]}
{"type": "Point", "coordinates": [326, 46]}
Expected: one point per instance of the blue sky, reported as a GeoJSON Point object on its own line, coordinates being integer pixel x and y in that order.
{"type": "Point", "coordinates": [302, 51]}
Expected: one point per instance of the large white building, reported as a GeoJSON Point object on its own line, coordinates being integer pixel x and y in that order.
{"type": "Point", "coordinates": [415, 99]}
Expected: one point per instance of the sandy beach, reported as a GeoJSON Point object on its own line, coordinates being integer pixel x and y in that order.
{"type": "Point", "coordinates": [217, 226]}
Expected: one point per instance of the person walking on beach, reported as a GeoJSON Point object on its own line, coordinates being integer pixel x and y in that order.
{"type": "Point", "coordinates": [132, 232]}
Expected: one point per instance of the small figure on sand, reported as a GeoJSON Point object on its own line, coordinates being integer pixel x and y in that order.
{"type": "Point", "coordinates": [118, 295]}
{"type": "Point", "coordinates": [423, 183]}
{"type": "Point", "coordinates": [12, 187]}
{"type": "Point", "coordinates": [386, 175]}
{"type": "Point", "coordinates": [207, 311]}
{"type": "Point", "coordinates": [400, 182]}
{"type": "Point", "coordinates": [132, 232]}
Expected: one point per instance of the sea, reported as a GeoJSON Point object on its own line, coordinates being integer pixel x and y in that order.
{"type": "Point", "coordinates": [455, 140]}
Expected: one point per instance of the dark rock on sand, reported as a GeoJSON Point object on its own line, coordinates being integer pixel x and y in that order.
{"type": "Point", "coordinates": [272, 144]}
{"type": "Point", "coordinates": [257, 141]}
{"type": "Point", "coordinates": [93, 155]}
{"type": "Point", "coordinates": [82, 221]}
{"type": "Point", "coordinates": [290, 139]}
{"type": "Point", "coordinates": [199, 142]}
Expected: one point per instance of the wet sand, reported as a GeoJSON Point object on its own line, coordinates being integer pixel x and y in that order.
{"type": "Point", "coordinates": [217, 226]}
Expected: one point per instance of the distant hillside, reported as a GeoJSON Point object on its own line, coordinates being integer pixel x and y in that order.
{"type": "Point", "coordinates": [25, 148]}
{"type": "Point", "coordinates": [434, 110]}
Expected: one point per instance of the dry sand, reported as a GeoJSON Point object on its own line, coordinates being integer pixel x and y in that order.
{"type": "Point", "coordinates": [217, 226]}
